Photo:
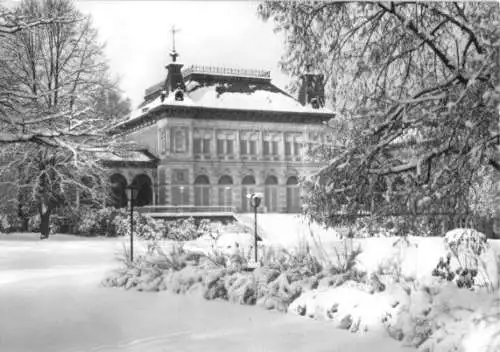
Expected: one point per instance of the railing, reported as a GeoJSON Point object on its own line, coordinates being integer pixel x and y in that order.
{"type": "Point", "coordinates": [178, 209]}
{"type": "Point", "coordinates": [227, 71]}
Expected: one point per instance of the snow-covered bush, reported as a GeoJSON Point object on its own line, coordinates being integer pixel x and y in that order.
{"type": "Point", "coordinates": [4, 224]}
{"type": "Point", "coordinates": [283, 260]}
{"type": "Point", "coordinates": [100, 222]}
{"type": "Point", "coordinates": [399, 226]}
{"type": "Point", "coordinates": [470, 261]}
{"type": "Point", "coordinates": [186, 229]}
{"type": "Point", "coordinates": [145, 227]}
{"type": "Point", "coordinates": [463, 321]}
{"type": "Point", "coordinates": [34, 224]}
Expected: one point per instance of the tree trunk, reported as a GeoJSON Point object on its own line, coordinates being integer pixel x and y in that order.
{"type": "Point", "coordinates": [44, 221]}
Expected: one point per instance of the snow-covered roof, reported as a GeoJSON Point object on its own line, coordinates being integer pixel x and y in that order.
{"type": "Point", "coordinates": [224, 88]}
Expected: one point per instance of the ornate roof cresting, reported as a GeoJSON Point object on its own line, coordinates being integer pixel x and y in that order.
{"type": "Point", "coordinates": [227, 71]}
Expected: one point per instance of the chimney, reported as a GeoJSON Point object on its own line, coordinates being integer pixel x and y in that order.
{"type": "Point", "coordinates": [312, 90]}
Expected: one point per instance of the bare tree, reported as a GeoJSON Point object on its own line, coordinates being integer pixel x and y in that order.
{"type": "Point", "coordinates": [52, 117]}
{"type": "Point", "coordinates": [416, 91]}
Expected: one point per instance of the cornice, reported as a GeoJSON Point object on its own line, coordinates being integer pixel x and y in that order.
{"type": "Point", "coordinates": [165, 111]}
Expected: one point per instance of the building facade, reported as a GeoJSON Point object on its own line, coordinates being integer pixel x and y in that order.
{"type": "Point", "coordinates": [213, 135]}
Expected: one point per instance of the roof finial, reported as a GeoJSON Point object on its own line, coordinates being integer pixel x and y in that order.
{"type": "Point", "coordinates": [174, 53]}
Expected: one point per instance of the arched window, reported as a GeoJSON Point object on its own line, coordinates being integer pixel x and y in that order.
{"type": "Point", "coordinates": [202, 191]}
{"type": "Point", "coordinates": [271, 194]}
{"type": "Point", "coordinates": [225, 191]}
{"type": "Point", "coordinates": [292, 195]}
{"type": "Point", "coordinates": [144, 188]}
{"type": "Point", "coordinates": [117, 194]}
{"type": "Point", "coordinates": [248, 186]}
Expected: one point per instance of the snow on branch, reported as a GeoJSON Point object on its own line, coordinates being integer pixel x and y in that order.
{"type": "Point", "coordinates": [11, 23]}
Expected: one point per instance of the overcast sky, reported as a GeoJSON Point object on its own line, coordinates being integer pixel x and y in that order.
{"type": "Point", "coordinates": [224, 33]}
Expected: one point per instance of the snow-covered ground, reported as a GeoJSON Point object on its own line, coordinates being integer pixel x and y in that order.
{"type": "Point", "coordinates": [440, 317]}
{"type": "Point", "coordinates": [51, 300]}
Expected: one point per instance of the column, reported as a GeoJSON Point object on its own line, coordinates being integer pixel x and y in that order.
{"type": "Point", "coordinates": [189, 145]}
{"type": "Point", "coordinates": [213, 147]}
{"type": "Point", "coordinates": [260, 151]}
{"type": "Point", "coordinates": [237, 145]}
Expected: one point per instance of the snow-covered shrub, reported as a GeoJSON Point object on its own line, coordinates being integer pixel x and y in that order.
{"type": "Point", "coordinates": [279, 293]}
{"type": "Point", "coordinates": [346, 258]}
{"type": "Point", "coordinates": [100, 222]}
{"type": "Point", "coordinates": [348, 307]}
{"type": "Point", "coordinates": [106, 223]}
{"type": "Point", "coordinates": [215, 284]}
{"type": "Point", "coordinates": [400, 226]}
{"type": "Point", "coordinates": [463, 321]}
{"type": "Point", "coordinates": [176, 259]}
{"type": "Point", "coordinates": [241, 288]}
{"type": "Point", "coordinates": [87, 224]}
{"type": "Point", "coordinates": [186, 229]}
{"type": "Point", "coordinates": [181, 281]}
{"type": "Point", "coordinates": [145, 227]}
{"type": "Point", "coordinates": [34, 223]}
{"type": "Point", "coordinates": [4, 224]}
{"type": "Point", "coordinates": [300, 261]}
{"type": "Point", "coordinates": [469, 261]}
{"type": "Point", "coordinates": [463, 277]}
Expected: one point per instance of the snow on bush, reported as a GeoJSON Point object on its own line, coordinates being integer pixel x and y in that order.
{"type": "Point", "coordinates": [401, 259]}
{"type": "Point", "coordinates": [416, 258]}
{"type": "Point", "coordinates": [388, 286]}
{"type": "Point", "coordinates": [4, 223]}
{"type": "Point", "coordinates": [349, 308]}
{"type": "Point", "coordinates": [102, 222]}
{"type": "Point", "coordinates": [464, 321]}
{"type": "Point", "coordinates": [472, 261]}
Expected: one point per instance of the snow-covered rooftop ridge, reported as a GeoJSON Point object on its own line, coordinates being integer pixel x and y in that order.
{"type": "Point", "coordinates": [208, 97]}
{"type": "Point", "coordinates": [227, 71]}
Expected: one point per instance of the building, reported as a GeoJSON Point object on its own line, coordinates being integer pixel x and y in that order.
{"type": "Point", "coordinates": [211, 135]}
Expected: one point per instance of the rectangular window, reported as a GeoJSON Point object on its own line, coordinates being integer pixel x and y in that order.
{"type": "Point", "coordinates": [265, 148]}
{"type": "Point", "coordinates": [197, 145]}
{"type": "Point", "coordinates": [275, 147]}
{"type": "Point", "coordinates": [230, 147]}
{"type": "Point", "coordinates": [253, 147]}
{"type": "Point", "coordinates": [220, 146]}
{"type": "Point", "coordinates": [297, 148]}
{"type": "Point", "coordinates": [288, 148]}
{"type": "Point", "coordinates": [206, 146]}
{"type": "Point", "coordinates": [243, 147]}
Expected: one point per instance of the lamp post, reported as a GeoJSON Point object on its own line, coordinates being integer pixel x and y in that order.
{"type": "Point", "coordinates": [255, 200]}
{"type": "Point", "coordinates": [131, 194]}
